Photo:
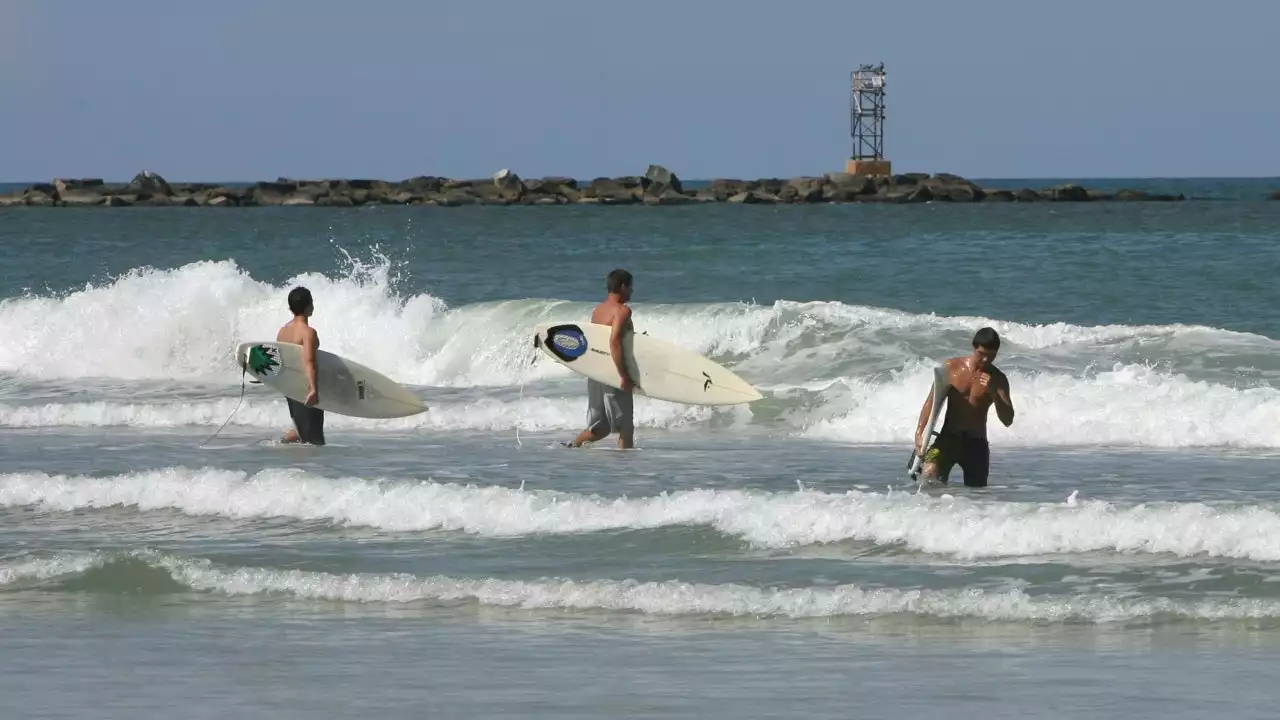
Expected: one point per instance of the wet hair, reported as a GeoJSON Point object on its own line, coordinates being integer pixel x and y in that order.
{"type": "Point", "coordinates": [299, 300]}
{"type": "Point", "coordinates": [617, 280]}
{"type": "Point", "coordinates": [986, 338]}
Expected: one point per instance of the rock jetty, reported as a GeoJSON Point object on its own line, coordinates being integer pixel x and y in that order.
{"type": "Point", "coordinates": [657, 186]}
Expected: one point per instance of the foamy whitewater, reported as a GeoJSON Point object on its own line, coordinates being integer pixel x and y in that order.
{"type": "Point", "coordinates": [163, 555]}
{"type": "Point", "coordinates": [829, 370]}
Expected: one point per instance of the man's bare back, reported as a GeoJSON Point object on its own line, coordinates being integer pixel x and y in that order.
{"type": "Point", "coordinates": [299, 332]}
{"type": "Point", "coordinates": [615, 313]}
{"type": "Point", "coordinates": [610, 410]}
{"type": "Point", "coordinates": [308, 420]}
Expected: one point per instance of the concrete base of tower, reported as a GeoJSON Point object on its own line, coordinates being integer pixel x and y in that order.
{"type": "Point", "coordinates": [867, 167]}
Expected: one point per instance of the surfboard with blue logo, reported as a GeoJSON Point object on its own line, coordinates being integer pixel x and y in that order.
{"type": "Point", "coordinates": [664, 371]}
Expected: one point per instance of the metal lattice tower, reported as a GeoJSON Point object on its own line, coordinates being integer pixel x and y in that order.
{"type": "Point", "coordinates": [866, 108]}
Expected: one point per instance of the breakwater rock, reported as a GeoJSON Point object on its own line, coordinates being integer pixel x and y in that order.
{"type": "Point", "coordinates": [657, 186]}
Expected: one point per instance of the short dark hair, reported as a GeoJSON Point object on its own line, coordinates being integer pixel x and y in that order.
{"type": "Point", "coordinates": [987, 338]}
{"type": "Point", "coordinates": [299, 300]}
{"type": "Point", "coordinates": [617, 280]}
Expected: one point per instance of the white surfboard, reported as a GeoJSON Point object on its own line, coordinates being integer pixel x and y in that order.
{"type": "Point", "coordinates": [663, 371]}
{"type": "Point", "coordinates": [941, 385]}
{"type": "Point", "coordinates": [345, 387]}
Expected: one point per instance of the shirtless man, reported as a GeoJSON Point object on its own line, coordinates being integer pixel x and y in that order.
{"type": "Point", "coordinates": [609, 409]}
{"type": "Point", "coordinates": [976, 385]}
{"type": "Point", "coordinates": [308, 421]}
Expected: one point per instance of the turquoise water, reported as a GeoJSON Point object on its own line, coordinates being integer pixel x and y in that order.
{"type": "Point", "coordinates": [749, 561]}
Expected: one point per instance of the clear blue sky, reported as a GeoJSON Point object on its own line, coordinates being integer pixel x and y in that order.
{"type": "Point", "coordinates": [252, 89]}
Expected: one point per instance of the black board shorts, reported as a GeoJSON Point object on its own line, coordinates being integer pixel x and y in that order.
{"type": "Point", "coordinates": [970, 452]}
{"type": "Point", "coordinates": [309, 422]}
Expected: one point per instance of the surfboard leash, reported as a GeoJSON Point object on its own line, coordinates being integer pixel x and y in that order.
{"type": "Point", "coordinates": [243, 371]}
{"type": "Point", "coordinates": [524, 372]}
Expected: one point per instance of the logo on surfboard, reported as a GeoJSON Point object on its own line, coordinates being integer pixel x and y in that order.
{"type": "Point", "coordinates": [567, 342]}
{"type": "Point", "coordinates": [706, 385]}
{"type": "Point", "coordinates": [264, 360]}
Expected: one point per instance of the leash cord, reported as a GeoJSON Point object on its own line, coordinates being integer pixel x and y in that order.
{"type": "Point", "coordinates": [233, 412]}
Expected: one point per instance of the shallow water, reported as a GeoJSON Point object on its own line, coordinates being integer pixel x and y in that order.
{"type": "Point", "coordinates": [749, 561]}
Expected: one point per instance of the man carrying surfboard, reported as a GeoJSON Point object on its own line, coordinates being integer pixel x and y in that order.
{"type": "Point", "coordinates": [975, 385]}
{"type": "Point", "coordinates": [308, 421]}
{"type": "Point", "coordinates": [610, 409]}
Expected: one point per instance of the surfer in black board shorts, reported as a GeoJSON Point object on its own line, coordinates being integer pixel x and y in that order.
{"type": "Point", "coordinates": [609, 409]}
{"type": "Point", "coordinates": [976, 385]}
{"type": "Point", "coordinates": [308, 421]}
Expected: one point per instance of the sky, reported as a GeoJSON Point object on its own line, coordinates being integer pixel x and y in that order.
{"type": "Point", "coordinates": [245, 90]}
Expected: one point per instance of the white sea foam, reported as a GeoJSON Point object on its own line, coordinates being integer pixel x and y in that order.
{"type": "Point", "coordinates": [829, 370]}
{"type": "Point", "coordinates": [659, 598]}
{"type": "Point", "coordinates": [730, 599]}
{"type": "Point", "coordinates": [955, 528]}
{"type": "Point", "coordinates": [1128, 405]}
{"type": "Point", "coordinates": [264, 411]}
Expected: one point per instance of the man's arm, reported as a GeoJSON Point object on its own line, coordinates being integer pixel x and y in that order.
{"type": "Point", "coordinates": [1004, 405]}
{"type": "Point", "coordinates": [621, 321]}
{"type": "Point", "coordinates": [310, 342]}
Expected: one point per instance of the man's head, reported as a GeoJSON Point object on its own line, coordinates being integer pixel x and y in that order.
{"type": "Point", "coordinates": [986, 345]}
{"type": "Point", "coordinates": [619, 283]}
{"type": "Point", "coordinates": [300, 301]}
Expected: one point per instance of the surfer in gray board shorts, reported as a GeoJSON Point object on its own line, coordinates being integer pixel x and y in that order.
{"type": "Point", "coordinates": [609, 409]}
{"type": "Point", "coordinates": [308, 421]}
{"type": "Point", "coordinates": [975, 386]}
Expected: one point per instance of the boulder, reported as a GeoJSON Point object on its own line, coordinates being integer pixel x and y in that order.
{"type": "Point", "coordinates": [421, 185]}
{"type": "Point", "coordinates": [843, 187]}
{"type": "Point", "coordinates": [904, 179]}
{"type": "Point", "coordinates": [566, 188]}
{"type": "Point", "coordinates": [335, 200]}
{"type": "Point", "coordinates": [658, 180]}
{"type": "Point", "coordinates": [956, 192]}
{"type": "Point", "coordinates": [615, 191]}
{"type": "Point", "coordinates": [751, 197]}
{"type": "Point", "coordinates": [147, 183]}
{"type": "Point", "coordinates": [38, 198]}
{"type": "Point", "coordinates": [922, 194]}
{"type": "Point", "coordinates": [724, 188]}
{"type": "Point", "coordinates": [668, 197]}
{"type": "Point", "coordinates": [1069, 192]}
{"type": "Point", "coordinates": [508, 184]}
{"type": "Point", "coordinates": [1144, 196]}
{"type": "Point", "coordinates": [803, 189]}
{"type": "Point", "coordinates": [455, 198]}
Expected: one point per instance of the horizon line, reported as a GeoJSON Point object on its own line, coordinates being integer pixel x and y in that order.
{"type": "Point", "coordinates": [991, 178]}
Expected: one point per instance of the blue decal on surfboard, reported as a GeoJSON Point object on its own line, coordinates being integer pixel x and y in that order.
{"type": "Point", "coordinates": [567, 342]}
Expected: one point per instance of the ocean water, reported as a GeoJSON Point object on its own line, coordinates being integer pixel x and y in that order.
{"type": "Point", "coordinates": [754, 561]}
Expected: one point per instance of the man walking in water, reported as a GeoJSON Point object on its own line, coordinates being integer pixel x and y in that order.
{"type": "Point", "coordinates": [609, 409]}
{"type": "Point", "coordinates": [976, 385]}
{"type": "Point", "coordinates": [308, 421]}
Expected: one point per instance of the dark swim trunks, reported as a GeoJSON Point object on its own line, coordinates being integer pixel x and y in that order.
{"type": "Point", "coordinates": [309, 421]}
{"type": "Point", "coordinates": [970, 452]}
